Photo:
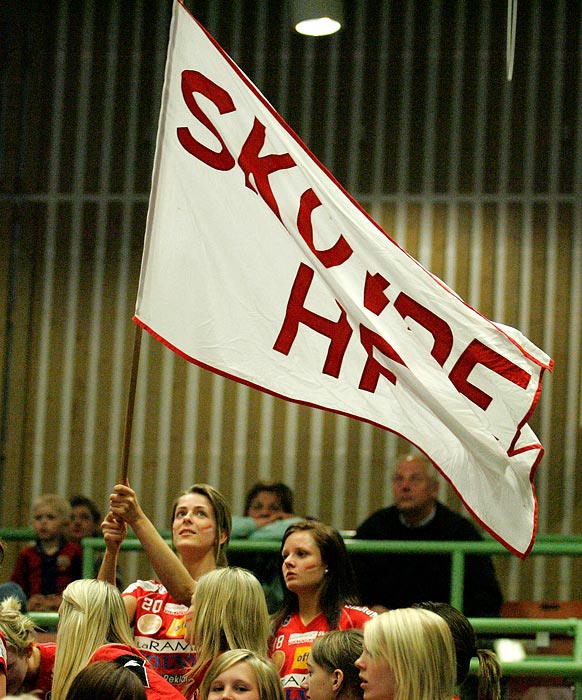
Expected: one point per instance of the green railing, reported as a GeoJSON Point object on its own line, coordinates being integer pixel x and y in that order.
{"type": "Point", "coordinates": [550, 545]}
{"type": "Point", "coordinates": [567, 666]}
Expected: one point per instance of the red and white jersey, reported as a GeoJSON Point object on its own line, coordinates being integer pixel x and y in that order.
{"type": "Point", "coordinates": [44, 681]}
{"type": "Point", "coordinates": [158, 631]}
{"type": "Point", "coordinates": [293, 640]}
{"type": "Point", "coordinates": [2, 654]}
{"type": "Point", "coordinates": [155, 686]}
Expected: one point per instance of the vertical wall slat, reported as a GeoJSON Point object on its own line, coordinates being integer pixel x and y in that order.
{"type": "Point", "coordinates": [48, 276]}
{"type": "Point", "coordinates": [76, 236]}
{"type": "Point", "coordinates": [551, 274]}
{"type": "Point", "coordinates": [430, 135]}
{"type": "Point", "coordinates": [91, 439]}
{"type": "Point", "coordinates": [404, 123]}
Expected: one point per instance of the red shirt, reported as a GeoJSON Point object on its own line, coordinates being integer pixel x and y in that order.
{"type": "Point", "coordinates": [293, 640]}
{"type": "Point", "coordinates": [37, 572]}
{"type": "Point", "coordinates": [158, 631]}
{"type": "Point", "coordinates": [2, 654]}
{"type": "Point", "coordinates": [44, 682]}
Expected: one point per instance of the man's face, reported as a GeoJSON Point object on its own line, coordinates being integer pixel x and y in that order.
{"type": "Point", "coordinates": [414, 492]}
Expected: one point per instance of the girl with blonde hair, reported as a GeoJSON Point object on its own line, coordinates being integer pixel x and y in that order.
{"type": "Point", "coordinates": [240, 673]}
{"type": "Point", "coordinates": [201, 525]}
{"type": "Point", "coordinates": [408, 654]}
{"type": "Point", "coordinates": [30, 664]}
{"type": "Point", "coordinates": [93, 627]}
{"type": "Point", "coordinates": [228, 611]}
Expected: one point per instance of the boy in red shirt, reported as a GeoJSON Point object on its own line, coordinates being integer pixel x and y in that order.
{"type": "Point", "coordinates": [45, 569]}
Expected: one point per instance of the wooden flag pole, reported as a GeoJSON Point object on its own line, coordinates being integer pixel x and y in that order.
{"type": "Point", "coordinates": [123, 476]}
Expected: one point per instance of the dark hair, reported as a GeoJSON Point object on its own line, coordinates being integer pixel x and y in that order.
{"type": "Point", "coordinates": [339, 583]}
{"type": "Point", "coordinates": [282, 491]}
{"type": "Point", "coordinates": [106, 680]}
{"type": "Point", "coordinates": [80, 500]}
{"type": "Point", "coordinates": [465, 641]}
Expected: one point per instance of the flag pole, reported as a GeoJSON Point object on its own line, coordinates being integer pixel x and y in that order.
{"type": "Point", "coordinates": [130, 406]}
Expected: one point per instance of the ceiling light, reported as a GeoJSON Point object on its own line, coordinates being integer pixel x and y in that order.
{"type": "Point", "coordinates": [317, 17]}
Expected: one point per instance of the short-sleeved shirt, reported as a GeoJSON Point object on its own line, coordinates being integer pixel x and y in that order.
{"type": "Point", "coordinates": [44, 681]}
{"type": "Point", "coordinates": [159, 629]}
{"type": "Point", "coordinates": [155, 686]}
{"type": "Point", "coordinates": [2, 654]}
{"type": "Point", "coordinates": [293, 640]}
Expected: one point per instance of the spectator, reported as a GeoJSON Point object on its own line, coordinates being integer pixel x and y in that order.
{"type": "Point", "coordinates": [408, 654]}
{"type": "Point", "coordinates": [30, 664]}
{"type": "Point", "coordinates": [107, 680]}
{"type": "Point", "coordinates": [201, 524]}
{"type": "Point", "coordinates": [45, 569]}
{"type": "Point", "coordinates": [93, 627]}
{"type": "Point", "coordinates": [320, 595]}
{"type": "Point", "coordinates": [241, 673]}
{"type": "Point", "coordinates": [268, 513]}
{"type": "Point", "coordinates": [489, 678]}
{"type": "Point", "coordinates": [86, 522]}
{"type": "Point", "coordinates": [331, 665]}
{"type": "Point", "coordinates": [85, 519]}
{"type": "Point", "coordinates": [228, 612]}
{"type": "Point", "coordinates": [11, 589]}
{"type": "Point", "coordinates": [398, 580]}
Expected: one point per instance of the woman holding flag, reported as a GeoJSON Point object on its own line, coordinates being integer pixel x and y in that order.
{"type": "Point", "coordinates": [201, 524]}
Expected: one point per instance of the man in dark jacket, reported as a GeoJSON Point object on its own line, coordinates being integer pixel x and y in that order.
{"type": "Point", "coordinates": [398, 580]}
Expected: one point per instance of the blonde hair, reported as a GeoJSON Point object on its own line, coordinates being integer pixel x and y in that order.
{"type": "Point", "coordinates": [222, 517]}
{"type": "Point", "coordinates": [418, 646]}
{"type": "Point", "coordinates": [60, 505]}
{"type": "Point", "coordinates": [92, 614]}
{"type": "Point", "coordinates": [266, 676]}
{"type": "Point", "coordinates": [230, 612]}
{"type": "Point", "coordinates": [18, 630]}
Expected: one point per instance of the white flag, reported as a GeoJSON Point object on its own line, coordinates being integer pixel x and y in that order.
{"type": "Point", "coordinates": [259, 266]}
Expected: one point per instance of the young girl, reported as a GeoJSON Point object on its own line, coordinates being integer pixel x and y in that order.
{"type": "Point", "coordinates": [489, 678]}
{"type": "Point", "coordinates": [30, 665]}
{"type": "Point", "coordinates": [201, 523]}
{"type": "Point", "coordinates": [320, 595]}
{"type": "Point", "coordinates": [107, 680]}
{"type": "Point", "coordinates": [93, 627]}
{"type": "Point", "coordinates": [228, 611]}
{"type": "Point", "coordinates": [241, 674]}
{"type": "Point", "coordinates": [331, 666]}
{"type": "Point", "coordinates": [408, 654]}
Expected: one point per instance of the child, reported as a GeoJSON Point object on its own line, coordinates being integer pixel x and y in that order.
{"type": "Point", "coordinates": [45, 569]}
{"type": "Point", "coordinates": [241, 672]}
{"type": "Point", "coordinates": [86, 522]}
{"type": "Point", "coordinates": [85, 519]}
